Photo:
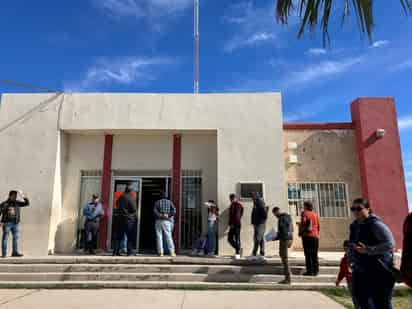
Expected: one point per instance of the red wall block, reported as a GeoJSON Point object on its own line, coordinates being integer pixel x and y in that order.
{"type": "Point", "coordinates": [381, 168]}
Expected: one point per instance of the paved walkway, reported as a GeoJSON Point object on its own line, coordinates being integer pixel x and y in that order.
{"type": "Point", "coordinates": [161, 299]}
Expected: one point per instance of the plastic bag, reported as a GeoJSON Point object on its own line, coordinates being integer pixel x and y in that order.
{"type": "Point", "coordinates": [271, 236]}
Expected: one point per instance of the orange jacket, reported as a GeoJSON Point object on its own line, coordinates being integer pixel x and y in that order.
{"type": "Point", "coordinates": [314, 223]}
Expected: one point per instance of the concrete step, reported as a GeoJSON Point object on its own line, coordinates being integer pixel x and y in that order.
{"type": "Point", "coordinates": [158, 268]}
{"type": "Point", "coordinates": [179, 260]}
{"type": "Point", "coordinates": [169, 277]}
{"type": "Point", "coordinates": [159, 285]}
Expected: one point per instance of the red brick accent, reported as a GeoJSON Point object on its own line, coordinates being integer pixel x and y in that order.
{"type": "Point", "coordinates": [318, 126]}
{"type": "Point", "coordinates": [106, 184]}
{"type": "Point", "coordinates": [176, 179]}
{"type": "Point", "coordinates": [381, 168]}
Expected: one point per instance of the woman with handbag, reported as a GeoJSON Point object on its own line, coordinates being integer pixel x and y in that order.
{"type": "Point", "coordinates": [371, 258]}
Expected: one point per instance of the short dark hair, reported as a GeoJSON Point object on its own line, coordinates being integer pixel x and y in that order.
{"type": "Point", "coordinates": [232, 196]}
{"type": "Point", "coordinates": [12, 192]}
{"type": "Point", "coordinates": [361, 201]}
{"type": "Point", "coordinates": [95, 196]}
{"type": "Point", "coordinates": [308, 205]}
{"type": "Point", "coordinates": [346, 243]}
{"type": "Point", "coordinates": [275, 209]}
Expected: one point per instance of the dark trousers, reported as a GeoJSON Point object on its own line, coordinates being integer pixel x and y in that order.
{"type": "Point", "coordinates": [129, 229]}
{"type": "Point", "coordinates": [311, 248]}
{"type": "Point", "coordinates": [91, 230]}
{"type": "Point", "coordinates": [259, 239]}
{"type": "Point", "coordinates": [373, 289]}
{"type": "Point", "coordinates": [234, 237]}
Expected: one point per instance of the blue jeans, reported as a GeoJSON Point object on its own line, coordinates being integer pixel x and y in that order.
{"type": "Point", "coordinates": [164, 227]}
{"type": "Point", "coordinates": [211, 237]}
{"type": "Point", "coordinates": [14, 229]}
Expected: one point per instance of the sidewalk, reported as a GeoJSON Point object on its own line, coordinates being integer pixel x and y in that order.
{"type": "Point", "coordinates": [151, 299]}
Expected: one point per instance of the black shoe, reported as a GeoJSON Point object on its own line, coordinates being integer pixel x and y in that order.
{"type": "Point", "coordinates": [285, 281]}
{"type": "Point", "coordinates": [307, 274]}
{"type": "Point", "coordinates": [17, 255]}
{"type": "Point", "coordinates": [92, 252]}
{"type": "Point", "coordinates": [3, 256]}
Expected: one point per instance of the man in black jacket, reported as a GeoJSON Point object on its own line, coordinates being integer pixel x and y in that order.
{"type": "Point", "coordinates": [285, 237]}
{"type": "Point", "coordinates": [10, 219]}
{"type": "Point", "coordinates": [259, 217]}
{"type": "Point", "coordinates": [126, 213]}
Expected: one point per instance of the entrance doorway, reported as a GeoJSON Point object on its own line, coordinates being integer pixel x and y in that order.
{"type": "Point", "coordinates": [152, 189]}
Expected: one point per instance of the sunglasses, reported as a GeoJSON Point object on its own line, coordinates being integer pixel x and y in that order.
{"type": "Point", "coordinates": [356, 208]}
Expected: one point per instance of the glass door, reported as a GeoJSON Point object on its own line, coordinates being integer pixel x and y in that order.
{"type": "Point", "coordinates": [119, 185]}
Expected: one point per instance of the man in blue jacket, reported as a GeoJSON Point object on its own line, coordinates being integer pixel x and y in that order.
{"type": "Point", "coordinates": [93, 212]}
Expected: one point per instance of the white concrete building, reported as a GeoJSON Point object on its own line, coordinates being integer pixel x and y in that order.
{"type": "Point", "coordinates": [61, 148]}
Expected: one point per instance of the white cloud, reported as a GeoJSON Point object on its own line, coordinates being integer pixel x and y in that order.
{"type": "Point", "coordinates": [253, 40]}
{"type": "Point", "coordinates": [405, 122]}
{"type": "Point", "coordinates": [119, 71]}
{"type": "Point", "coordinates": [316, 52]}
{"type": "Point", "coordinates": [380, 43]}
{"type": "Point", "coordinates": [252, 25]}
{"type": "Point", "coordinates": [320, 70]}
{"type": "Point", "coordinates": [402, 66]}
{"type": "Point", "coordinates": [156, 13]}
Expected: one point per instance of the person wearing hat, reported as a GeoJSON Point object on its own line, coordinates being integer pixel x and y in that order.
{"type": "Point", "coordinates": [93, 212]}
{"type": "Point", "coordinates": [212, 223]}
{"type": "Point", "coordinates": [10, 219]}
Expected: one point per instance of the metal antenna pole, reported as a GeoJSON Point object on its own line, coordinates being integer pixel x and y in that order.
{"type": "Point", "coordinates": [196, 47]}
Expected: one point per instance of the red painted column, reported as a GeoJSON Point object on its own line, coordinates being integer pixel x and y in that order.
{"type": "Point", "coordinates": [381, 168]}
{"type": "Point", "coordinates": [176, 179]}
{"type": "Point", "coordinates": [106, 184]}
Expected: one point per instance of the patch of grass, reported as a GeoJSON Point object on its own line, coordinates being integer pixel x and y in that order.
{"type": "Point", "coordinates": [402, 298]}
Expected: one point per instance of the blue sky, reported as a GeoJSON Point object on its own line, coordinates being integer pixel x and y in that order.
{"type": "Point", "coordinates": [146, 46]}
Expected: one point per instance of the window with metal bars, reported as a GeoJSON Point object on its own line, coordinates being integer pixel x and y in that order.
{"type": "Point", "coordinates": [330, 199]}
{"type": "Point", "coordinates": [191, 210]}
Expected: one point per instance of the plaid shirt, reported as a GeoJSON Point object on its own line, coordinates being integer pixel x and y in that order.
{"type": "Point", "coordinates": [164, 206]}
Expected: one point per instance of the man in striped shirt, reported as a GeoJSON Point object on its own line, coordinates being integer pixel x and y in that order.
{"type": "Point", "coordinates": [164, 212]}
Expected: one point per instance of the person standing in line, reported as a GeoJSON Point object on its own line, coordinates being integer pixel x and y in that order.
{"type": "Point", "coordinates": [235, 225]}
{"type": "Point", "coordinates": [164, 212]}
{"type": "Point", "coordinates": [406, 264]}
{"type": "Point", "coordinates": [10, 220]}
{"type": "Point", "coordinates": [371, 257]}
{"type": "Point", "coordinates": [259, 217]}
{"type": "Point", "coordinates": [345, 271]}
{"type": "Point", "coordinates": [212, 225]}
{"type": "Point", "coordinates": [285, 237]}
{"type": "Point", "coordinates": [127, 213]}
{"type": "Point", "coordinates": [93, 212]}
{"type": "Point", "coordinates": [309, 229]}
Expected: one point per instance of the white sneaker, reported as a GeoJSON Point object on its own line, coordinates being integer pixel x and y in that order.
{"type": "Point", "coordinates": [237, 256]}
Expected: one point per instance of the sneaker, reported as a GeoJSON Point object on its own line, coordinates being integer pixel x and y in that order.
{"type": "Point", "coordinates": [237, 256]}
{"type": "Point", "coordinates": [161, 255]}
{"type": "Point", "coordinates": [3, 256]}
{"type": "Point", "coordinates": [173, 255]}
{"type": "Point", "coordinates": [285, 281]}
{"type": "Point", "coordinates": [17, 255]}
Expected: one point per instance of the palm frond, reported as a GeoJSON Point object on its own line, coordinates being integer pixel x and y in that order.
{"type": "Point", "coordinates": [310, 10]}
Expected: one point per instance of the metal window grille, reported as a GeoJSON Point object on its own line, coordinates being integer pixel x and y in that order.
{"type": "Point", "coordinates": [89, 185]}
{"type": "Point", "coordinates": [191, 210]}
{"type": "Point", "coordinates": [329, 199]}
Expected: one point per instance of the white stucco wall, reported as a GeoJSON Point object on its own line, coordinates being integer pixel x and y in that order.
{"type": "Point", "coordinates": [248, 147]}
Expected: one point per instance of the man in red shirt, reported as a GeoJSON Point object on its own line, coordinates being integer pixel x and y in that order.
{"type": "Point", "coordinates": [309, 228]}
{"type": "Point", "coordinates": [235, 224]}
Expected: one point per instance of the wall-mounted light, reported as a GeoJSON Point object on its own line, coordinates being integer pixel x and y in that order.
{"type": "Point", "coordinates": [380, 133]}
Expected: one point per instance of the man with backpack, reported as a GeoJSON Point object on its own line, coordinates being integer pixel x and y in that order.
{"type": "Point", "coordinates": [285, 237]}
